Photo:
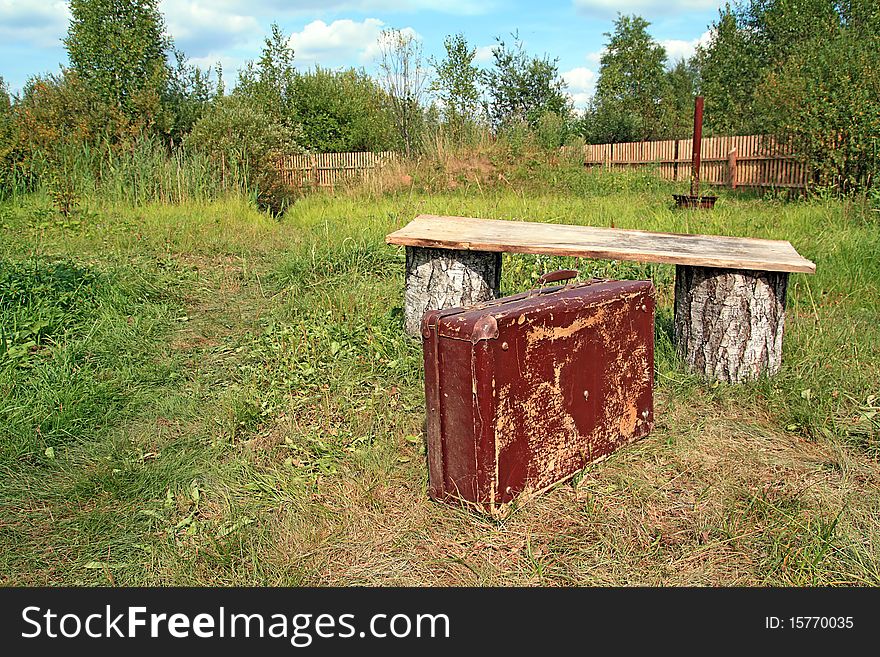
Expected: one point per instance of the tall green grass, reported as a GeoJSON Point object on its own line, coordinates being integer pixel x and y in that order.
{"type": "Point", "coordinates": [146, 172]}
{"type": "Point", "coordinates": [71, 334]}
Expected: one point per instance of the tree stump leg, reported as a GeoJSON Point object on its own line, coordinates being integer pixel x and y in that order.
{"type": "Point", "coordinates": [446, 278]}
{"type": "Point", "coordinates": [729, 322]}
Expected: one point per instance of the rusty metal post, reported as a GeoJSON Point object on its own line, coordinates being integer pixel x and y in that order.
{"type": "Point", "coordinates": [698, 146]}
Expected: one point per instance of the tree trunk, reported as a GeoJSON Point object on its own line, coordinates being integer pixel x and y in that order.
{"type": "Point", "coordinates": [729, 322]}
{"type": "Point", "coordinates": [447, 278]}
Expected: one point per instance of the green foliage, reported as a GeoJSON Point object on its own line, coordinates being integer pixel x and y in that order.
{"type": "Point", "coordinates": [70, 128]}
{"type": "Point", "coordinates": [552, 130]}
{"type": "Point", "coordinates": [516, 137]}
{"type": "Point", "coordinates": [39, 300]}
{"type": "Point", "coordinates": [238, 129]}
{"type": "Point", "coordinates": [751, 39]}
{"type": "Point", "coordinates": [269, 82]}
{"type": "Point", "coordinates": [803, 70]}
{"type": "Point", "coordinates": [522, 88]}
{"type": "Point", "coordinates": [456, 85]}
{"type": "Point", "coordinates": [7, 138]}
{"type": "Point", "coordinates": [678, 105]}
{"type": "Point", "coordinates": [237, 133]}
{"type": "Point", "coordinates": [342, 112]}
{"type": "Point", "coordinates": [57, 118]}
{"type": "Point", "coordinates": [730, 65]}
{"type": "Point", "coordinates": [118, 48]}
{"type": "Point", "coordinates": [779, 28]}
{"type": "Point", "coordinates": [632, 87]}
{"type": "Point", "coordinates": [826, 104]}
{"type": "Point", "coordinates": [189, 92]}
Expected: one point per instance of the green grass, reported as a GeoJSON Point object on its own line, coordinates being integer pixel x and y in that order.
{"type": "Point", "coordinates": [202, 394]}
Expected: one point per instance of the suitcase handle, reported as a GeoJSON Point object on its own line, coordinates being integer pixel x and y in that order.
{"type": "Point", "coordinates": [558, 275]}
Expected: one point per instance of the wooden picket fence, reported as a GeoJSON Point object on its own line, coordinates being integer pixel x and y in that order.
{"type": "Point", "coordinates": [748, 161]}
{"type": "Point", "coordinates": [329, 169]}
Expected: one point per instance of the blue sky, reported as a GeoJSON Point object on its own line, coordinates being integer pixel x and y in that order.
{"type": "Point", "coordinates": [336, 33]}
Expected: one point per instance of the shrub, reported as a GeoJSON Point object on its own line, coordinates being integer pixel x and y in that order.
{"type": "Point", "coordinates": [826, 104]}
{"type": "Point", "coordinates": [7, 138]}
{"type": "Point", "coordinates": [342, 112]}
{"type": "Point", "coordinates": [237, 134]}
{"type": "Point", "coordinates": [551, 130]}
{"type": "Point", "coordinates": [58, 111]}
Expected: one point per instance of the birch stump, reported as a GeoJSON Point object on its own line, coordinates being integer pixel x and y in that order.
{"type": "Point", "coordinates": [729, 322]}
{"type": "Point", "coordinates": [446, 278]}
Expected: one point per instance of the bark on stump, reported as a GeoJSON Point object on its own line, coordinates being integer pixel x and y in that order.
{"type": "Point", "coordinates": [446, 278]}
{"type": "Point", "coordinates": [729, 322]}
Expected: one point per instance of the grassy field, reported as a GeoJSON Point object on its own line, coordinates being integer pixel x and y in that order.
{"type": "Point", "coordinates": [204, 395]}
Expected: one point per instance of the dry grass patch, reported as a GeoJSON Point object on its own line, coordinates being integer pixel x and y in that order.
{"type": "Point", "coordinates": [715, 496]}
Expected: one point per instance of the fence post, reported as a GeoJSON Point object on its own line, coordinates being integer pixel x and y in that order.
{"type": "Point", "coordinates": [675, 163]}
{"type": "Point", "coordinates": [731, 167]}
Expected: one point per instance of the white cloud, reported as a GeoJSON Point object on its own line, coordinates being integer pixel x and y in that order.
{"type": "Point", "coordinates": [40, 24]}
{"type": "Point", "coordinates": [340, 38]}
{"type": "Point", "coordinates": [200, 27]}
{"type": "Point", "coordinates": [606, 8]}
{"type": "Point", "coordinates": [483, 54]}
{"type": "Point", "coordinates": [230, 65]}
{"type": "Point", "coordinates": [311, 7]}
{"type": "Point", "coordinates": [677, 49]}
{"type": "Point", "coordinates": [372, 51]}
{"type": "Point", "coordinates": [595, 58]}
{"type": "Point", "coordinates": [579, 78]}
{"type": "Point", "coordinates": [581, 83]}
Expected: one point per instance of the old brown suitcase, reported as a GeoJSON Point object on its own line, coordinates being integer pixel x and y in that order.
{"type": "Point", "coordinates": [525, 391]}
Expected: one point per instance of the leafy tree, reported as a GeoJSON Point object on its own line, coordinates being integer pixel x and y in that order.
{"type": "Point", "coordinates": [862, 15]}
{"type": "Point", "coordinates": [749, 40]}
{"type": "Point", "coordinates": [521, 89]}
{"type": "Point", "coordinates": [825, 103]}
{"type": "Point", "coordinates": [63, 131]}
{"type": "Point", "coordinates": [730, 66]}
{"type": "Point", "coordinates": [632, 85]}
{"type": "Point", "coordinates": [804, 71]}
{"type": "Point", "coordinates": [269, 82]}
{"type": "Point", "coordinates": [189, 92]}
{"type": "Point", "coordinates": [58, 111]}
{"type": "Point", "coordinates": [342, 111]}
{"type": "Point", "coordinates": [403, 76]}
{"type": "Point", "coordinates": [235, 128]}
{"type": "Point", "coordinates": [678, 105]}
{"type": "Point", "coordinates": [7, 134]}
{"type": "Point", "coordinates": [778, 28]}
{"type": "Point", "coordinates": [117, 48]}
{"type": "Point", "coordinates": [456, 85]}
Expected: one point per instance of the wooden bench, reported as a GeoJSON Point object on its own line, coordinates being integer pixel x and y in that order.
{"type": "Point", "coordinates": [729, 291]}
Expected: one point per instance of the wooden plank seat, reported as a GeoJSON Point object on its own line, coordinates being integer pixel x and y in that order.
{"type": "Point", "coordinates": [729, 291]}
